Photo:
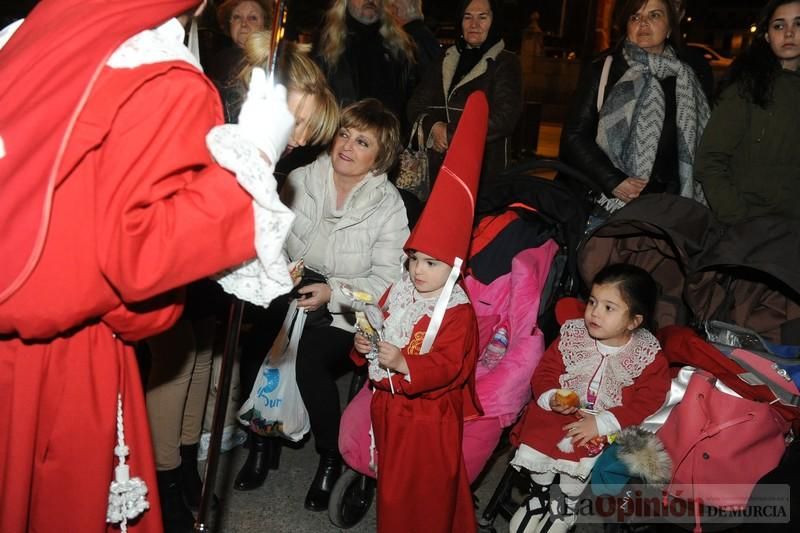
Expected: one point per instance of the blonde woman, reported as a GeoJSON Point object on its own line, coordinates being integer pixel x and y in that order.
{"type": "Point", "coordinates": [181, 362]}
{"type": "Point", "coordinates": [409, 14]}
{"type": "Point", "coordinates": [310, 98]}
{"type": "Point", "coordinates": [366, 54]}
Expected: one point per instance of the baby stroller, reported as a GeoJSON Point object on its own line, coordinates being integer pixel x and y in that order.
{"type": "Point", "coordinates": [737, 286]}
{"type": "Point", "coordinates": [724, 428]}
{"type": "Point", "coordinates": [561, 204]}
{"type": "Point", "coordinates": [514, 245]}
{"type": "Point", "coordinates": [707, 272]}
{"type": "Point", "coordinates": [745, 274]}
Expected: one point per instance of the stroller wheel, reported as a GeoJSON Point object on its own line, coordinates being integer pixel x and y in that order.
{"type": "Point", "coordinates": [351, 498]}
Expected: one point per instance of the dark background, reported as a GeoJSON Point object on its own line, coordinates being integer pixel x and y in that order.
{"type": "Point", "coordinates": [723, 24]}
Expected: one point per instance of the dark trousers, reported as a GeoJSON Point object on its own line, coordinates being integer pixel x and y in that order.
{"type": "Point", "coordinates": [259, 328]}
{"type": "Point", "coordinates": [322, 357]}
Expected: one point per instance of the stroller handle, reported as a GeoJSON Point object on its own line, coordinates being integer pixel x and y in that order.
{"type": "Point", "coordinates": [553, 164]}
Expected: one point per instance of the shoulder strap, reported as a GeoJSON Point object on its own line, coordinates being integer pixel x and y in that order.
{"type": "Point", "coordinates": [601, 89]}
{"type": "Point", "coordinates": [417, 129]}
{"type": "Point", "coordinates": [786, 397]}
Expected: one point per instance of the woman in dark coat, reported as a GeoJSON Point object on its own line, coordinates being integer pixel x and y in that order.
{"type": "Point", "coordinates": [636, 131]}
{"type": "Point", "coordinates": [237, 19]}
{"type": "Point", "coordinates": [478, 61]}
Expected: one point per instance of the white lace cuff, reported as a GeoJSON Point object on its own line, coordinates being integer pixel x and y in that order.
{"type": "Point", "coordinates": [544, 399]}
{"type": "Point", "coordinates": [260, 280]}
{"type": "Point", "coordinates": [376, 371]}
{"type": "Point", "coordinates": [607, 423]}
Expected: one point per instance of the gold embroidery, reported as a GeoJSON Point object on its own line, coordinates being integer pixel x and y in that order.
{"type": "Point", "coordinates": [415, 344]}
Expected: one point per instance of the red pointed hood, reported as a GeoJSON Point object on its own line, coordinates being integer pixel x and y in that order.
{"type": "Point", "coordinates": [444, 229]}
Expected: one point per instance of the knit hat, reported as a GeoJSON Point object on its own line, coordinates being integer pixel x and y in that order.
{"type": "Point", "coordinates": [444, 229]}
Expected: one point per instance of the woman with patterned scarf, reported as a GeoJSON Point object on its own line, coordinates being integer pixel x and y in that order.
{"type": "Point", "coordinates": [639, 112]}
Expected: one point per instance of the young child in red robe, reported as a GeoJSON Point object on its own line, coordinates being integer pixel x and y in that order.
{"type": "Point", "coordinates": [605, 372]}
{"type": "Point", "coordinates": [423, 374]}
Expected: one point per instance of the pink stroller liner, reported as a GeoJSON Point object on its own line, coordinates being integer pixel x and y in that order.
{"type": "Point", "coordinates": [481, 436]}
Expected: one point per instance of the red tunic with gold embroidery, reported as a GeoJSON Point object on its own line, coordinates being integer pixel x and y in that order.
{"type": "Point", "coordinates": [422, 482]}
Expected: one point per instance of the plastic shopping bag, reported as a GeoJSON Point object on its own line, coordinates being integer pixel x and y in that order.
{"type": "Point", "coordinates": [275, 408]}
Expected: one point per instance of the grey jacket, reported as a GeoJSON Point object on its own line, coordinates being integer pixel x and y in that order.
{"type": "Point", "coordinates": [366, 246]}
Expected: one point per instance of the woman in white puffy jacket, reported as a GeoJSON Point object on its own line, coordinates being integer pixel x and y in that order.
{"type": "Point", "coordinates": [350, 226]}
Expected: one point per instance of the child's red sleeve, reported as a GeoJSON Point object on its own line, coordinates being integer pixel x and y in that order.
{"type": "Point", "coordinates": [645, 395]}
{"type": "Point", "coordinates": [357, 358]}
{"type": "Point", "coordinates": [547, 373]}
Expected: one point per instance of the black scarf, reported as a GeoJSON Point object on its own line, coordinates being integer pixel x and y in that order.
{"type": "Point", "coordinates": [469, 57]}
{"type": "Point", "coordinates": [376, 73]}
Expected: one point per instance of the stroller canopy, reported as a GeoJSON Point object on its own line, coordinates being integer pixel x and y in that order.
{"type": "Point", "coordinates": [661, 233]}
{"type": "Point", "coordinates": [750, 277]}
{"type": "Point", "coordinates": [746, 274]}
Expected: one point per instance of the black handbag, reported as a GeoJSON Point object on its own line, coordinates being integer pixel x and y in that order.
{"type": "Point", "coordinates": [320, 317]}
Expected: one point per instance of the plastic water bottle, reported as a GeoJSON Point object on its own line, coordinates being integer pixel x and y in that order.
{"type": "Point", "coordinates": [496, 348]}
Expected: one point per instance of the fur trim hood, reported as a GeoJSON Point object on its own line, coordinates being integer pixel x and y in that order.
{"type": "Point", "coordinates": [636, 452]}
{"type": "Point", "coordinates": [451, 62]}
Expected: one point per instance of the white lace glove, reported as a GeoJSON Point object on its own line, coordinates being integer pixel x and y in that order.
{"type": "Point", "coordinates": [260, 280]}
{"type": "Point", "coordinates": [265, 119]}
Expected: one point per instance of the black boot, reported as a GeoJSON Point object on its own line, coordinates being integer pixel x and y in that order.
{"type": "Point", "coordinates": [190, 476]}
{"type": "Point", "coordinates": [328, 471]}
{"type": "Point", "coordinates": [176, 517]}
{"type": "Point", "coordinates": [192, 484]}
{"type": "Point", "coordinates": [264, 455]}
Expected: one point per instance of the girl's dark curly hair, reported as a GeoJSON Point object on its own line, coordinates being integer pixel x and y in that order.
{"type": "Point", "coordinates": [755, 69]}
{"type": "Point", "coordinates": [637, 287]}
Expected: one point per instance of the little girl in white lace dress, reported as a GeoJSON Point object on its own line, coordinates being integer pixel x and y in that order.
{"type": "Point", "coordinates": [605, 372]}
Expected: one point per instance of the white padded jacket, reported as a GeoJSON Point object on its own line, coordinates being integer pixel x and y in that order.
{"type": "Point", "coordinates": [365, 249]}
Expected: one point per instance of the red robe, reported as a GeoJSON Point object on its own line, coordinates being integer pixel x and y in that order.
{"type": "Point", "coordinates": [138, 211]}
{"type": "Point", "coordinates": [422, 481]}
